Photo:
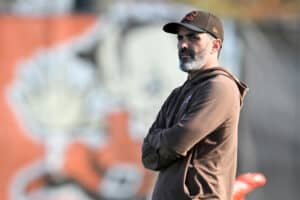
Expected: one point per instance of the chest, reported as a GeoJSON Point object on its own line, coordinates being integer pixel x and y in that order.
{"type": "Point", "coordinates": [179, 105]}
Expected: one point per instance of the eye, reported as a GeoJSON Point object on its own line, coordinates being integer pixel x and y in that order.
{"type": "Point", "coordinates": [194, 37]}
{"type": "Point", "coordinates": [179, 37]}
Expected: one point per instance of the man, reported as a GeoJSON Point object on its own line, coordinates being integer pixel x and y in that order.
{"type": "Point", "coordinates": [193, 141]}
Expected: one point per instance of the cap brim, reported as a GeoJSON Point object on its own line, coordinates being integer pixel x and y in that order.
{"type": "Point", "coordinates": [173, 27]}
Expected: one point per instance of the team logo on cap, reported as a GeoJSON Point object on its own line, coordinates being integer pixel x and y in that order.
{"type": "Point", "coordinates": [191, 16]}
{"type": "Point", "coordinates": [215, 30]}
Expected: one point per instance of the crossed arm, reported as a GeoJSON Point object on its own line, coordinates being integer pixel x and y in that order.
{"type": "Point", "coordinates": [210, 108]}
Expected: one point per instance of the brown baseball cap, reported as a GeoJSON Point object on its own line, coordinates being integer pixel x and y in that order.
{"type": "Point", "coordinates": [199, 21]}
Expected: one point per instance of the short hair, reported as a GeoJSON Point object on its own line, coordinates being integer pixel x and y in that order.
{"type": "Point", "coordinates": [214, 38]}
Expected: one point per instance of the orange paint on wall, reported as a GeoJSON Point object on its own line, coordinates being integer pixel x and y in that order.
{"type": "Point", "coordinates": [20, 37]}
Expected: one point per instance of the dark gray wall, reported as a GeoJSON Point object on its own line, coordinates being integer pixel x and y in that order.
{"type": "Point", "coordinates": [269, 129]}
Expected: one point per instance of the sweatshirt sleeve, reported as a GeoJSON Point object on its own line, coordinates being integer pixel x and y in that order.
{"type": "Point", "coordinates": [155, 156]}
{"type": "Point", "coordinates": [209, 108]}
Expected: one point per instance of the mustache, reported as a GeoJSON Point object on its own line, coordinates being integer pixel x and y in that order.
{"type": "Point", "coordinates": [186, 52]}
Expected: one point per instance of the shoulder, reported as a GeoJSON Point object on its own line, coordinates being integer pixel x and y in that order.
{"type": "Point", "coordinates": [219, 86]}
{"type": "Point", "coordinates": [174, 92]}
{"type": "Point", "coordinates": [225, 90]}
{"type": "Point", "coordinates": [224, 82]}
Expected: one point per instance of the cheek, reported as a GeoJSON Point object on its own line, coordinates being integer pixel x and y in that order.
{"type": "Point", "coordinates": [200, 50]}
{"type": "Point", "coordinates": [204, 48]}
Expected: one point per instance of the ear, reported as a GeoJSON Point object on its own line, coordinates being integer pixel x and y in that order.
{"type": "Point", "coordinates": [217, 44]}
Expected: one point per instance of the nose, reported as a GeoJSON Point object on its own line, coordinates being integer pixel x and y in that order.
{"type": "Point", "coordinates": [183, 44]}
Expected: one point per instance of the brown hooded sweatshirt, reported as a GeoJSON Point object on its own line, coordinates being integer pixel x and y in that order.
{"type": "Point", "coordinates": [193, 141]}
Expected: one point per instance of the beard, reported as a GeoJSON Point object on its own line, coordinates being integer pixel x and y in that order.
{"type": "Point", "coordinates": [193, 65]}
{"type": "Point", "coordinates": [190, 61]}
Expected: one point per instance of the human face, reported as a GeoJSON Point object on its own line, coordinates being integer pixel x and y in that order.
{"type": "Point", "coordinates": [193, 49]}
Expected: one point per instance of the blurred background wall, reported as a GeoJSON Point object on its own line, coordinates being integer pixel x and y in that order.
{"type": "Point", "coordinates": [82, 80]}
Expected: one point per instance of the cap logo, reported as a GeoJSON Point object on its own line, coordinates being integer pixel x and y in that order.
{"type": "Point", "coordinates": [191, 16]}
{"type": "Point", "coordinates": [215, 30]}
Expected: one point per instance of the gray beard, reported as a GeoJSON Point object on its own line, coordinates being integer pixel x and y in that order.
{"type": "Point", "coordinates": [191, 65]}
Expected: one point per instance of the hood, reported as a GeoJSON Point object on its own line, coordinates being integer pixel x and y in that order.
{"type": "Point", "coordinates": [212, 72]}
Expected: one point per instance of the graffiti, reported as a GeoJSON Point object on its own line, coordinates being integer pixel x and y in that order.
{"type": "Point", "coordinates": [90, 113]}
{"type": "Point", "coordinates": [88, 101]}
{"type": "Point", "coordinates": [58, 94]}
{"type": "Point", "coordinates": [137, 61]}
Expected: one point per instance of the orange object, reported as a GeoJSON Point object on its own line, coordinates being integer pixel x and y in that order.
{"type": "Point", "coordinates": [20, 38]}
{"type": "Point", "coordinates": [247, 182]}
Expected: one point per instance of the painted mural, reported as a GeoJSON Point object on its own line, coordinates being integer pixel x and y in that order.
{"type": "Point", "coordinates": [78, 93]}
